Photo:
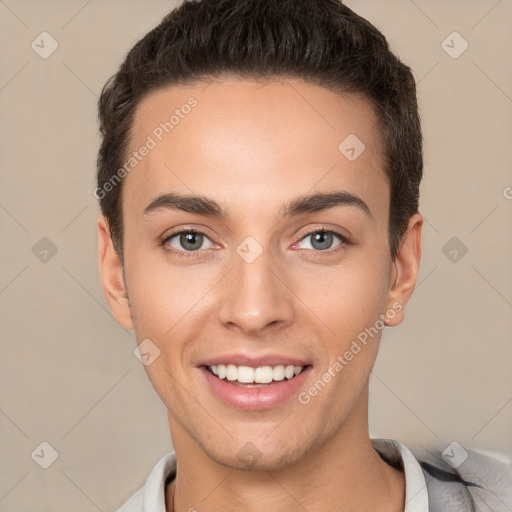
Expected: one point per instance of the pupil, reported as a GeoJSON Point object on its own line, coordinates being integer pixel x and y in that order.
{"type": "Point", "coordinates": [191, 241]}
{"type": "Point", "coordinates": [324, 239]}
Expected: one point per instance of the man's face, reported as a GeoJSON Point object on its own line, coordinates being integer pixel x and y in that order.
{"type": "Point", "coordinates": [258, 288]}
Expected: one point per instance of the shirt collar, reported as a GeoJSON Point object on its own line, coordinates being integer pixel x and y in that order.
{"type": "Point", "coordinates": [416, 494]}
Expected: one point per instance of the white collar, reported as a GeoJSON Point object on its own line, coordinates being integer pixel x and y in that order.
{"type": "Point", "coordinates": [151, 497]}
{"type": "Point", "coordinates": [416, 492]}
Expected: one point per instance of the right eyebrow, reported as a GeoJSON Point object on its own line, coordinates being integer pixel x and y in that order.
{"type": "Point", "coordinates": [201, 205]}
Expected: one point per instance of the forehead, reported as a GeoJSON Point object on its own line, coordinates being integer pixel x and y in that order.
{"type": "Point", "coordinates": [247, 141]}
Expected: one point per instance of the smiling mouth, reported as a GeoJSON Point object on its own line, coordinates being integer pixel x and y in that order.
{"type": "Point", "coordinates": [261, 376]}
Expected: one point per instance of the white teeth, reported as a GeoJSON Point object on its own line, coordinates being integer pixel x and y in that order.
{"type": "Point", "coordinates": [221, 371]}
{"type": "Point", "coordinates": [279, 372]}
{"type": "Point", "coordinates": [289, 372]}
{"type": "Point", "coordinates": [260, 375]}
{"type": "Point", "coordinates": [245, 374]}
{"type": "Point", "coordinates": [231, 372]}
{"type": "Point", "coordinates": [263, 374]}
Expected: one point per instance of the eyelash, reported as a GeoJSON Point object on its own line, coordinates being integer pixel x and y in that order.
{"type": "Point", "coordinates": [193, 254]}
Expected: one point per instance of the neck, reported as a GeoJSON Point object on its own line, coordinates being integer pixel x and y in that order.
{"type": "Point", "coordinates": [345, 472]}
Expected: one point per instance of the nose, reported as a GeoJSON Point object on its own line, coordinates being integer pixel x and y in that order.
{"type": "Point", "coordinates": [256, 297]}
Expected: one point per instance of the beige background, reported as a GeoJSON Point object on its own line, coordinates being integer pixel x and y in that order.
{"type": "Point", "coordinates": [68, 375]}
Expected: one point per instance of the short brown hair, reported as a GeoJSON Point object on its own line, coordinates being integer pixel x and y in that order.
{"type": "Point", "coordinates": [320, 41]}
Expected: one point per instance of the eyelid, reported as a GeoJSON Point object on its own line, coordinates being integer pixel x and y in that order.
{"type": "Point", "coordinates": [344, 240]}
{"type": "Point", "coordinates": [317, 229]}
{"type": "Point", "coordinates": [325, 229]}
{"type": "Point", "coordinates": [180, 231]}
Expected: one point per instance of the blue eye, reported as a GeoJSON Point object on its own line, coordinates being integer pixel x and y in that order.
{"type": "Point", "coordinates": [322, 240]}
{"type": "Point", "coordinates": [190, 241]}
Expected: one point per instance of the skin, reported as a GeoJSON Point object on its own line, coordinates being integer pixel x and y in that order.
{"type": "Point", "coordinates": [252, 147]}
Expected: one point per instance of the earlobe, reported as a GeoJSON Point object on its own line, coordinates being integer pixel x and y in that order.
{"type": "Point", "coordinates": [406, 268]}
{"type": "Point", "coordinates": [111, 273]}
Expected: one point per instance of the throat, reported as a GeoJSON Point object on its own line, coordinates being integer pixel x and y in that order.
{"type": "Point", "coordinates": [170, 489]}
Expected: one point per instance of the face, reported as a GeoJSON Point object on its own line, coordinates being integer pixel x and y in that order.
{"type": "Point", "coordinates": [278, 267]}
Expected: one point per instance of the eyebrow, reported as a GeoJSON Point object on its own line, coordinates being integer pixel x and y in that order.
{"type": "Point", "coordinates": [203, 205]}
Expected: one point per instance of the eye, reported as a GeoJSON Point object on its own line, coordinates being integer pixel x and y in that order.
{"type": "Point", "coordinates": [188, 241]}
{"type": "Point", "coordinates": [322, 240]}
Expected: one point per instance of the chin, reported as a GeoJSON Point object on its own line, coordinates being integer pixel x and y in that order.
{"type": "Point", "coordinates": [250, 458]}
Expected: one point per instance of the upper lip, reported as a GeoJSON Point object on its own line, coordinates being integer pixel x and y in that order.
{"type": "Point", "coordinates": [254, 361]}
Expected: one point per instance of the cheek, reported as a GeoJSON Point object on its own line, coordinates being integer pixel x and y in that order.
{"type": "Point", "coordinates": [347, 298]}
{"type": "Point", "coordinates": [164, 297]}
{"type": "Point", "coordinates": [349, 302]}
{"type": "Point", "coordinates": [170, 306]}
{"type": "Point", "coordinates": [166, 304]}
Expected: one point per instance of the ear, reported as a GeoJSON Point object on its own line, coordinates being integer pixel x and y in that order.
{"type": "Point", "coordinates": [405, 272]}
{"type": "Point", "coordinates": [111, 272]}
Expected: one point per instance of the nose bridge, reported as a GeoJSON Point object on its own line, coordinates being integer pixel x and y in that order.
{"type": "Point", "coordinates": [254, 297]}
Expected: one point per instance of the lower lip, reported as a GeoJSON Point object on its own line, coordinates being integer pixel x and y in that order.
{"type": "Point", "coordinates": [255, 398]}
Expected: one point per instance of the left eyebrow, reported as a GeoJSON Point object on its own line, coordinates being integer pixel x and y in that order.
{"type": "Point", "coordinates": [203, 205]}
{"type": "Point", "coordinates": [323, 201]}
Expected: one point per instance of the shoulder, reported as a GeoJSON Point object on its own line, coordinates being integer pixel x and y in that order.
{"type": "Point", "coordinates": [461, 479]}
{"type": "Point", "coordinates": [135, 503]}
